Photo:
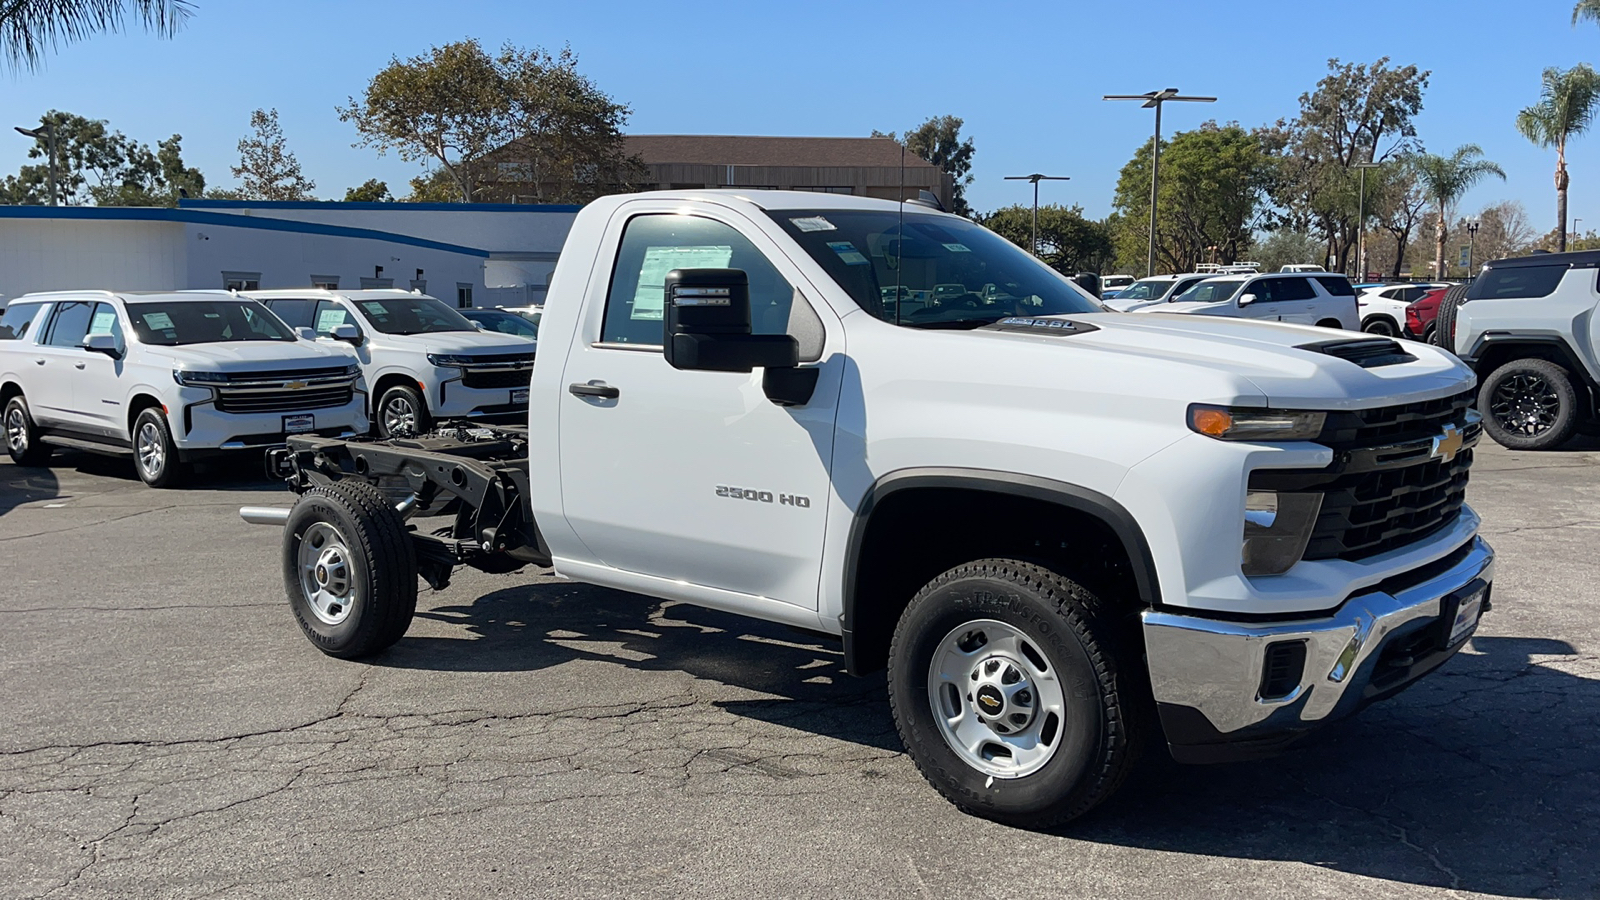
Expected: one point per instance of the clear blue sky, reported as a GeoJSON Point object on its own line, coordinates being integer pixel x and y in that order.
{"type": "Point", "coordinates": [1027, 77]}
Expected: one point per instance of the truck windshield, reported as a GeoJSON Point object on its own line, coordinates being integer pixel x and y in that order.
{"type": "Point", "coordinates": [174, 322]}
{"type": "Point", "coordinates": [1214, 291]}
{"type": "Point", "coordinates": [930, 271]}
{"type": "Point", "coordinates": [412, 315]}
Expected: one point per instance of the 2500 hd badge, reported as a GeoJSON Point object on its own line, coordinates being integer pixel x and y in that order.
{"type": "Point", "coordinates": [734, 493]}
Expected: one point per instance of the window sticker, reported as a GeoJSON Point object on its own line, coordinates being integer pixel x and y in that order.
{"type": "Point", "coordinates": [813, 223]}
{"type": "Point", "coordinates": [158, 321]}
{"type": "Point", "coordinates": [958, 248]}
{"type": "Point", "coordinates": [104, 323]}
{"type": "Point", "coordinates": [327, 319]}
{"type": "Point", "coordinates": [650, 293]}
{"type": "Point", "coordinates": [375, 308]}
{"type": "Point", "coordinates": [848, 253]}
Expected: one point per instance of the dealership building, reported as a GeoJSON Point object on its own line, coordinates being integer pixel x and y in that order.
{"type": "Point", "coordinates": [467, 255]}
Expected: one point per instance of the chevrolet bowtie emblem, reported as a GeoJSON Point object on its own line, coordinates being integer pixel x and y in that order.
{"type": "Point", "coordinates": [1448, 444]}
{"type": "Point", "coordinates": [300, 385]}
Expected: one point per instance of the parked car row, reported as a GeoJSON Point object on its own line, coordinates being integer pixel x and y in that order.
{"type": "Point", "coordinates": [1310, 298]}
{"type": "Point", "coordinates": [170, 378]}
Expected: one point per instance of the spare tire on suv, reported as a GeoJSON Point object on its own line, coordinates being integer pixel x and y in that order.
{"type": "Point", "coordinates": [1444, 326]}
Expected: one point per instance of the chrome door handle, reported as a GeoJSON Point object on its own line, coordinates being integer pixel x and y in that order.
{"type": "Point", "coordinates": [601, 391]}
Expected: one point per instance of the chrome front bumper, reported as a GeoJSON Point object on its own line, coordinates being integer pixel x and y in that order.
{"type": "Point", "coordinates": [1207, 675]}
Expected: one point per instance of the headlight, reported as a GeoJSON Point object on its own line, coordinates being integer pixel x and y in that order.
{"type": "Point", "coordinates": [1277, 527]}
{"type": "Point", "coordinates": [199, 379]}
{"type": "Point", "coordinates": [1233, 423]}
{"type": "Point", "coordinates": [449, 360]}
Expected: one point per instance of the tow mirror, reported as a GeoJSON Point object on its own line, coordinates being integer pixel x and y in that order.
{"type": "Point", "coordinates": [707, 322]}
{"type": "Point", "coordinates": [1247, 299]}
{"type": "Point", "coordinates": [347, 333]}
{"type": "Point", "coordinates": [103, 343]}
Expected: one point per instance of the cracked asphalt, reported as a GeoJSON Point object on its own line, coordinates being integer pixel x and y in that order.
{"type": "Point", "coordinates": [167, 732]}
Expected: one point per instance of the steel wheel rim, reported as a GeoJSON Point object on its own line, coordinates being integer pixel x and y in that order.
{"type": "Point", "coordinates": [152, 452]}
{"type": "Point", "coordinates": [327, 575]}
{"type": "Point", "coordinates": [1525, 405]}
{"type": "Point", "coordinates": [399, 416]}
{"type": "Point", "coordinates": [16, 430]}
{"type": "Point", "coordinates": [996, 699]}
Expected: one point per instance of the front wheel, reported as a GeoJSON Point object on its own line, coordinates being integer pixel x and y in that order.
{"type": "Point", "coordinates": [1529, 404]}
{"type": "Point", "coordinates": [402, 413]}
{"type": "Point", "coordinates": [22, 436]}
{"type": "Point", "coordinates": [1007, 689]}
{"type": "Point", "coordinates": [349, 569]}
{"type": "Point", "coordinates": [155, 455]}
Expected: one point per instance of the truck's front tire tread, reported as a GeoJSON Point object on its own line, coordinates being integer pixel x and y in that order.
{"type": "Point", "coordinates": [386, 565]}
{"type": "Point", "coordinates": [1084, 638]}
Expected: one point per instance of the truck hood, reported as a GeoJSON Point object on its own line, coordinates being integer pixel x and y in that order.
{"type": "Point", "coordinates": [463, 342]}
{"type": "Point", "coordinates": [1178, 307]}
{"type": "Point", "coordinates": [257, 356]}
{"type": "Point", "coordinates": [1270, 356]}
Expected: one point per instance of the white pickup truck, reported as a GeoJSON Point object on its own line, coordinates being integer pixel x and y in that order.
{"type": "Point", "coordinates": [1056, 527]}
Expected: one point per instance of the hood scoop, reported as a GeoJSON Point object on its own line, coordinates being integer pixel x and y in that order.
{"type": "Point", "coordinates": [1368, 353]}
{"type": "Point", "coordinates": [1062, 327]}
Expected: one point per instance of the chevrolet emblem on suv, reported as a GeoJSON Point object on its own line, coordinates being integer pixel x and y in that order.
{"type": "Point", "coordinates": [1447, 444]}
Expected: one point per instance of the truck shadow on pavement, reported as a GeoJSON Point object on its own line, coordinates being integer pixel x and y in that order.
{"type": "Point", "coordinates": [1483, 777]}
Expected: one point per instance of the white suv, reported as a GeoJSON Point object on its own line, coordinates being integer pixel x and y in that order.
{"type": "Point", "coordinates": [424, 361]}
{"type": "Point", "coordinates": [1153, 290]}
{"type": "Point", "coordinates": [165, 378]}
{"type": "Point", "coordinates": [1319, 298]}
{"type": "Point", "coordinates": [1383, 309]}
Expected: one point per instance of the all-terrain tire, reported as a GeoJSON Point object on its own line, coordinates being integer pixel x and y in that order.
{"type": "Point", "coordinates": [1072, 636]}
{"type": "Point", "coordinates": [1444, 324]}
{"type": "Point", "coordinates": [1529, 404]}
{"type": "Point", "coordinates": [349, 569]}
{"type": "Point", "coordinates": [22, 436]}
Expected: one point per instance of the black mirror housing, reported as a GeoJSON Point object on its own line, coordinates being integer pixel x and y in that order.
{"type": "Point", "coordinates": [707, 325]}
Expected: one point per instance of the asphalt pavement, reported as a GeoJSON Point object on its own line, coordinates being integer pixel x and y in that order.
{"type": "Point", "coordinates": [165, 731]}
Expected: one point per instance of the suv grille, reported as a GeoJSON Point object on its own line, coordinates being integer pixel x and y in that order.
{"type": "Point", "coordinates": [286, 392]}
{"type": "Point", "coordinates": [1385, 488]}
{"type": "Point", "coordinates": [508, 371]}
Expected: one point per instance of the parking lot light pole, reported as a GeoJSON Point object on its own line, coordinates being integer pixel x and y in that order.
{"type": "Point", "coordinates": [1361, 220]}
{"type": "Point", "coordinates": [1154, 100]}
{"type": "Point", "coordinates": [1472, 244]}
{"type": "Point", "coordinates": [1036, 178]}
{"type": "Point", "coordinates": [48, 132]}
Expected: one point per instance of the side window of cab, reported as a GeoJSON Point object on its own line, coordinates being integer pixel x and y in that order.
{"type": "Point", "coordinates": [329, 315]}
{"type": "Point", "coordinates": [17, 321]}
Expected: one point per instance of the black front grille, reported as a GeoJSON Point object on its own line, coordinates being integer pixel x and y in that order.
{"type": "Point", "coordinates": [1385, 488]}
{"type": "Point", "coordinates": [283, 401]}
{"type": "Point", "coordinates": [496, 378]}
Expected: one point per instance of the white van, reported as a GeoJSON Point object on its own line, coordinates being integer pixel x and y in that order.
{"type": "Point", "coordinates": [1318, 298]}
{"type": "Point", "coordinates": [423, 360]}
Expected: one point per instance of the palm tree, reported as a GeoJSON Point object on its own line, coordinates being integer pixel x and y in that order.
{"type": "Point", "coordinates": [1445, 179]}
{"type": "Point", "coordinates": [1566, 107]}
{"type": "Point", "coordinates": [28, 27]}
{"type": "Point", "coordinates": [1586, 9]}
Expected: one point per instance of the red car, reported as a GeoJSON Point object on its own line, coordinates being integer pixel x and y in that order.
{"type": "Point", "coordinates": [1421, 314]}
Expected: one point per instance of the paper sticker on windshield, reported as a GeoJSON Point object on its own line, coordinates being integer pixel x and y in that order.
{"type": "Point", "coordinates": [958, 248]}
{"type": "Point", "coordinates": [658, 261]}
{"type": "Point", "coordinates": [327, 319]}
{"type": "Point", "coordinates": [158, 321]}
{"type": "Point", "coordinates": [375, 308]}
{"type": "Point", "coordinates": [813, 223]}
{"type": "Point", "coordinates": [848, 253]}
{"type": "Point", "coordinates": [104, 323]}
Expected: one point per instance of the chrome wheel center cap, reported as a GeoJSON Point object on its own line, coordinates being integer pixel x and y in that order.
{"type": "Point", "coordinates": [1001, 694]}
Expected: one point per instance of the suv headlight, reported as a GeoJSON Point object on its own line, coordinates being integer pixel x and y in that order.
{"type": "Point", "coordinates": [1277, 527]}
{"type": "Point", "coordinates": [449, 360]}
{"type": "Point", "coordinates": [199, 379]}
{"type": "Point", "coordinates": [1233, 423]}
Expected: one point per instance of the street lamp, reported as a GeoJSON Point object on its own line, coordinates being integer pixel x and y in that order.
{"type": "Point", "coordinates": [1036, 178]}
{"type": "Point", "coordinates": [1472, 244]}
{"type": "Point", "coordinates": [1154, 100]}
{"type": "Point", "coordinates": [48, 132]}
{"type": "Point", "coordinates": [1575, 231]}
{"type": "Point", "coordinates": [1361, 220]}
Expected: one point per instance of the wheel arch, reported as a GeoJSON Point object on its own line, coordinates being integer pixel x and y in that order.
{"type": "Point", "coordinates": [1044, 506]}
{"type": "Point", "coordinates": [140, 402]}
{"type": "Point", "coordinates": [8, 389]}
{"type": "Point", "coordinates": [396, 379]}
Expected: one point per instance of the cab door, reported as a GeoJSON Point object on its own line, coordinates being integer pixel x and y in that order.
{"type": "Point", "coordinates": [696, 477]}
{"type": "Point", "coordinates": [97, 387]}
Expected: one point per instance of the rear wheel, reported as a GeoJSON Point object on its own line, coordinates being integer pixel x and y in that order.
{"type": "Point", "coordinates": [1380, 325]}
{"type": "Point", "coordinates": [155, 455]}
{"type": "Point", "coordinates": [349, 569]}
{"type": "Point", "coordinates": [1005, 685]}
{"type": "Point", "coordinates": [22, 436]}
{"type": "Point", "coordinates": [402, 413]}
{"type": "Point", "coordinates": [1529, 404]}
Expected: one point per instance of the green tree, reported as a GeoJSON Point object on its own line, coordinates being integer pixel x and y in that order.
{"type": "Point", "coordinates": [29, 27]}
{"type": "Point", "coordinates": [437, 186]}
{"type": "Point", "coordinates": [1397, 202]}
{"type": "Point", "coordinates": [1565, 110]}
{"type": "Point", "coordinates": [448, 106]}
{"type": "Point", "coordinates": [1068, 242]}
{"type": "Point", "coordinates": [266, 169]}
{"type": "Point", "coordinates": [1445, 179]}
{"type": "Point", "coordinates": [1287, 248]}
{"type": "Point", "coordinates": [1585, 10]}
{"type": "Point", "coordinates": [1212, 185]}
{"type": "Point", "coordinates": [370, 191]}
{"type": "Point", "coordinates": [939, 141]}
{"type": "Point", "coordinates": [99, 166]}
{"type": "Point", "coordinates": [563, 135]}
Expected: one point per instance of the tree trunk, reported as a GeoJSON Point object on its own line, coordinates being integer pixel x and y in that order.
{"type": "Point", "coordinates": [1400, 242]}
{"type": "Point", "coordinates": [1561, 204]}
{"type": "Point", "coordinates": [1438, 249]}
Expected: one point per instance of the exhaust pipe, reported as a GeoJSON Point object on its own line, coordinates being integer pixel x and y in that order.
{"type": "Point", "coordinates": [264, 515]}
